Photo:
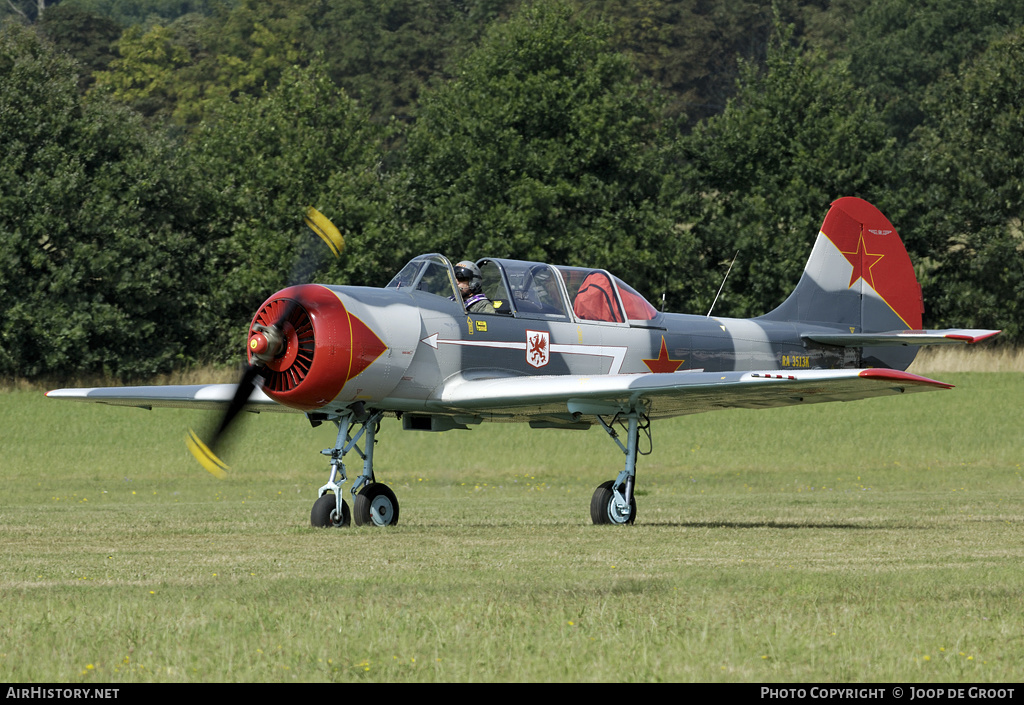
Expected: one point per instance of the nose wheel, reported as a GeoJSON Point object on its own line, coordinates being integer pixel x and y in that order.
{"type": "Point", "coordinates": [329, 512]}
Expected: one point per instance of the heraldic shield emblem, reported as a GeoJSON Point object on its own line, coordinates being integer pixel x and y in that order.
{"type": "Point", "coordinates": [538, 347]}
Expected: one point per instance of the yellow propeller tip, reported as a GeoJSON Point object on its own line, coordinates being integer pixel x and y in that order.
{"type": "Point", "coordinates": [322, 226]}
{"type": "Point", "coordinates": [206, 457]}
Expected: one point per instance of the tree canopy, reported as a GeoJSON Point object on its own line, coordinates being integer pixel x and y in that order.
{"type": "Point", "coordinates": [798, 132]}
{"type": "Point", "coordinates": [156, 157]}
{"type": "Point", "coordinates": [544, 145]}
{"type": "Point", "coordinates": [100, 237]}
{"type": "Point", "coordinates": [970, 237]}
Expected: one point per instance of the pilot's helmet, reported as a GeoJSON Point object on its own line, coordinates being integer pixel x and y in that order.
{"type": "Point", "coordinates": [466, 271]}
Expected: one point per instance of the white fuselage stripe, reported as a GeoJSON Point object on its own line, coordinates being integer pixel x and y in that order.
{"type": "Point", "coordinates": [616, 353]}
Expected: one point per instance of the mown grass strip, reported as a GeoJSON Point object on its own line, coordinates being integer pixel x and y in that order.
{"type": "Point", "coordinates": [871, 541]}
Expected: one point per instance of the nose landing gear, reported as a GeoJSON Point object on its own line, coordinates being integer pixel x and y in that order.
{"type": "Point", "coordinates": [375, 503]}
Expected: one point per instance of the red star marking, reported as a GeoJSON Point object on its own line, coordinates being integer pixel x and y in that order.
{"type": "Point", "coordinates": [862, 262]}
{"type": "Point", "coordinates": [663, 363]}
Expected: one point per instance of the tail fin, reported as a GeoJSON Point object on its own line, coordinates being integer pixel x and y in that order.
{"type": "Point", "coordinates": [859, 277]}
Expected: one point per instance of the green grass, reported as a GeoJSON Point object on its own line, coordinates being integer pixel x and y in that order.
{"type": "Point", "coordinates": [871, 541]}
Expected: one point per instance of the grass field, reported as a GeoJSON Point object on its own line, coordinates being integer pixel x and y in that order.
{"type": "Point", "coordinates": [872, 541]}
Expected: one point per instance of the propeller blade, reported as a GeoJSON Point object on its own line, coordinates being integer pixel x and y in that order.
{"type": "Point", "coordinates": [242, 394]}
{"type": "Point", "coordinates": [206, 457]}
{"type": "Point", "coordinates": [206, 453]}
{"type": "Point", "coordinates": [322, 226]}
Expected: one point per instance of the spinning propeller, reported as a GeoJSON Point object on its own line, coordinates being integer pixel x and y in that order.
{"type": "Point", "coordinates": [267, 343]}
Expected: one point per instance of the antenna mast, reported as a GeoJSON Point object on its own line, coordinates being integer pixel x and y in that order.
{"type": "Point", "coordinates": [723, 283]}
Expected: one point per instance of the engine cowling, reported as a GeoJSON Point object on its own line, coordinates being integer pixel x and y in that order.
{"type": "Point", "coordinates": [321, 347]}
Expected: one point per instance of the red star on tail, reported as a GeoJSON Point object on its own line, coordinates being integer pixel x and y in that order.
{"type": "Point", "coordinates": [862, 262]}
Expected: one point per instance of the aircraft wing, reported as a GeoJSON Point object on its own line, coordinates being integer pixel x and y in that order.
{"type": "Point", "coordinates": [671, 394]}
{"type": "Point", "coordinates": [561, 397]}
{"type": "Point", "coordinates": [186, 396]}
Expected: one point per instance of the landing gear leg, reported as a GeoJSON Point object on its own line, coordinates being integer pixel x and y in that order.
{"type": "Point", "coordinates": [613, 501]}
{"type": "Point", "coordinates": [375, 503]}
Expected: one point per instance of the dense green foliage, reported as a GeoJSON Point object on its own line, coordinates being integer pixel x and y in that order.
{"type": "Point", "coordinates": [155, 156]}
{"type": "Point", "coordinates": [304, 143]}
{"type": "Point", "coordinates": [969, 158]}
{"type": "Point", "coordinates": [544, 146]}
{"type": "Point", "coordinates": [100, 228]}
{"type": "Point", "coordinates": [764, 174]}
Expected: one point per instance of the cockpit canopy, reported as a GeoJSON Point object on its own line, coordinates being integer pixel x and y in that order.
{"type": "Point", "coordinates": [535, 290]}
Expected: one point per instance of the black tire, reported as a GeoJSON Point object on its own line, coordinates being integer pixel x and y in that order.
{"type": "Point", "coordinates": [601, 506]}
{"type": "Point", "coordinates": [324, 508]}
{"type": "Point", "coordinates": [376, 505]}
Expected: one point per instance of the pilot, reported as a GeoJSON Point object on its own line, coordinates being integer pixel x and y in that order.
{"type": "Point", "coordinates": [471, 286]}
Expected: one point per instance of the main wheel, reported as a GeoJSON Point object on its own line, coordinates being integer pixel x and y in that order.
{"type": "Point", "coordinates": [325, 514]}
{"type": "Point", "coordinates": [376, 505]}
{"type": "Point", "coordinates": [603, 509]}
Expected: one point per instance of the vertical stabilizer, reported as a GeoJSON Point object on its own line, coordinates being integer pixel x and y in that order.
{"type": "Point", "coordinates": [859, 277]}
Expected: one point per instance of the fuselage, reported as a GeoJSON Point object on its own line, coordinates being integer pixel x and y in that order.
{"type": "Point", "coordinates": [398, 346]}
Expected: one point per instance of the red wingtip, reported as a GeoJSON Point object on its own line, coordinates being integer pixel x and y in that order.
{"type": "Point", "coordinates": [971, 339]}
{"type": "Point", "coordinates": [902, 377]}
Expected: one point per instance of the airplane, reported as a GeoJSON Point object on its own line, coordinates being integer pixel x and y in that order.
{"type": "Point", "coordinates": [560, 347]}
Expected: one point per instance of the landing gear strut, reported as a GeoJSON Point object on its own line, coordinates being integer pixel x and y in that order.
{"type": "Point", "coordinates": [375, 503]}
{"type": "Point", "coordinates": [613, 501]}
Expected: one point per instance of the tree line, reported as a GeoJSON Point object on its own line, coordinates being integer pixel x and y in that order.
{"type": "Point", "coordinates": [154, 167]}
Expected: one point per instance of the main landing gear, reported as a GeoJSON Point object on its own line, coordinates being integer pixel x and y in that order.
{"type": "Point", "coordinates": [374, 503]}
{"type": "Point", "coordinates": [613, 501]}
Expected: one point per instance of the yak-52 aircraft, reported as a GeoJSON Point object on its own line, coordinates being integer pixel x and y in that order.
{"type": "Point", "coordinates": [562, 347]}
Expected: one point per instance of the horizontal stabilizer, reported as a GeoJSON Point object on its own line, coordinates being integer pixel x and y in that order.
{"type": "Point", "coordinates": [951, 336]}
